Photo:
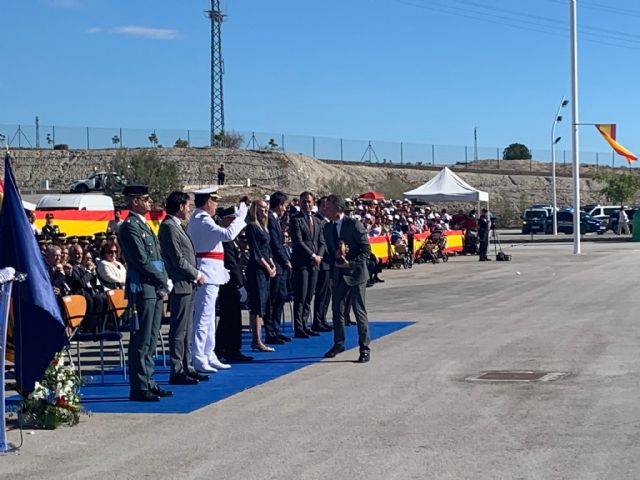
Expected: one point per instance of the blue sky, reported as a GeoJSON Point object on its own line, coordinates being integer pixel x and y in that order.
{"type": "Point", "coordinates": [423, 71]}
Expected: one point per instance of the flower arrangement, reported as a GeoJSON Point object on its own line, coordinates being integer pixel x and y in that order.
{"type": "Point", "coordinates": [55, 400]}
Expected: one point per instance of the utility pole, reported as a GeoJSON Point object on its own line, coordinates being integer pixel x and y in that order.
{"type": "Point", "coordinates": [217, 71]}
{"type": "Point", "coordinates": [475, 143]}
{"type": "Point", "coordinates": [37, 132]}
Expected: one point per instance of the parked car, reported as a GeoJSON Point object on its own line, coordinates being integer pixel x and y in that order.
{"type": "Point", "coordinates": [99, 181]}
{"type": "Point", "coordinates": [602, 212]}
{"type": "Point", "coordinates": [537, 220]}
{"type": "Point", "coordinates": [588, 224]}
{"type": "Point", "coordinates": [613, 219]}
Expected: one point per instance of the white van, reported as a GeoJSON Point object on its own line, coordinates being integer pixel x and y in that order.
{"type": "Point", "coordinates": [70, 201]}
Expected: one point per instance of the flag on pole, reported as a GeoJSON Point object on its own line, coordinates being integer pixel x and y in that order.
{"type": "Point", "coordinates": [38, 332]}
{"type": "Point", "coordinates": [608, 131]}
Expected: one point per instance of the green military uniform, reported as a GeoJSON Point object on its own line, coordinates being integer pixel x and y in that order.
{"type": "Point", "coordinates": [146, 283]}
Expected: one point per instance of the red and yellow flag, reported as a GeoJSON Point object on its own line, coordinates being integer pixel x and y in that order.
{"type": "Point", "coordinates": [608, 131]}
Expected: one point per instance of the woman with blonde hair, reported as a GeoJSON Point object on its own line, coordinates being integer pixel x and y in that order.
{"type": "Point", "coordinates": [260, 269]}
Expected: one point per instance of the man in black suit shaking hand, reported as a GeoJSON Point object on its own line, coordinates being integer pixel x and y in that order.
{"type": "Point", "coordinates": [348, 246]}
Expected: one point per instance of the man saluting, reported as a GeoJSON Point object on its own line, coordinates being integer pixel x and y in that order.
{"type": "Point", "coordinates": [207, 238]}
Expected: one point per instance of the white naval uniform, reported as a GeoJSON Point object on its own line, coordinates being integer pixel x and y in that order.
{"type": "Point", "coordinates": [207, 237]}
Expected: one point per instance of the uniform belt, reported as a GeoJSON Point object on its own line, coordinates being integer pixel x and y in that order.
{"type": "Point", "coordinates": [212, 255]}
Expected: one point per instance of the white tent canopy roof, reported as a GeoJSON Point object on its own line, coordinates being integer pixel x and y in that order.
{"type": "Point", "coordinates": [447, 186]}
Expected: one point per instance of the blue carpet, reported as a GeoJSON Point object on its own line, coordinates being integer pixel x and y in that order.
{"type": "Point", "coordinates": [113, 395]}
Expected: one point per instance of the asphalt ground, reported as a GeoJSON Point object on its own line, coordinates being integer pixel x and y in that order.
{"type": "Point", "coordinates": [411, 413]}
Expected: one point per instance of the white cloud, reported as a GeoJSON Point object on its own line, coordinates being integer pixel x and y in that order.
{"type": "Point", "coordinates": [145, 32]}
{"type": "Point", "coordinates": [64, 3]}
{"type": "Point", "coordinates": [94, 30]}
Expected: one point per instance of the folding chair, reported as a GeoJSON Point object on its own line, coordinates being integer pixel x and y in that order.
{"type": "Point", "coordinates": [72, 309]}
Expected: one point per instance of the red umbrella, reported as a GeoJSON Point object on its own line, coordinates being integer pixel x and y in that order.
{"type": "Point", "coordinates": [372, 196]}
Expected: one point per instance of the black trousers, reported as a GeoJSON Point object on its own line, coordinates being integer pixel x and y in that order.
{"type": "Point", "coordinates": [484, 244]}
{"type": "Point", "coordinates": [229, 332]}
{"type": "Point", "coordinates": [322, 298]}
{"type": "Point", "coordinates": [304, 285]}
{"type": "Point", "coordinates": [277, 298]}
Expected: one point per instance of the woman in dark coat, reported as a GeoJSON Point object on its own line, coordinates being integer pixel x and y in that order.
{"type": "Point", "coordinates": [259, 270]}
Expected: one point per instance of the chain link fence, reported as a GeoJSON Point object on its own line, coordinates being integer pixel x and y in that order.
{"type": "Point", "coordinates": [324, 148]}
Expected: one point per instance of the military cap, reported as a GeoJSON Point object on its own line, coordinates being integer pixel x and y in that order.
{"type": "Point", "coordinates": [72, 239]}
{"type": "Point", "coordinates": [203, 193]}
{"type": "Point", "coordinates": [135, 190]}
{"type": "Point", "coordinates": [48, 216]}
{"type": "Point", "coordinates": [99, 236]}
{"type": "Point", "coordinates": [42, 241]}
{"type": "Point", "coordinates": [228, 212]}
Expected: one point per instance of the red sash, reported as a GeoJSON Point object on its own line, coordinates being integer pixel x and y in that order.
{"type": "Point", "coordinates": [212, 255]}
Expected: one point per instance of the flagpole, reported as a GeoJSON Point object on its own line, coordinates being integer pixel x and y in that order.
{"type": "Point", "coordinates": [574, 127]}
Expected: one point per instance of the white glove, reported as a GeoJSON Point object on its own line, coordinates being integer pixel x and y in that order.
{"type": "Point", "coordinates": [242, 210]}
{"type": "Point", "coordinates": [7, 274]}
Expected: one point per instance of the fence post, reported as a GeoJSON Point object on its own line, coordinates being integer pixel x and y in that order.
{"type": "Point", "coordinates": [341, 152]}
{"type": "Point", "coordinates": [613, 160]}
{"type": "Point", "coordinates": [282, 142]}
{"type": "Point", "coordinates": [498, 157]}
{"type": "Point", "coordinates": [466, 162]}
{"type": "Point", "coordinates": [53, 131]}
{"type": "Point", "coordinates": [88, 147]}
{"type": "Point", "coordinates": [314, 146]}
{"type": "Point", "coordinates": [401, 154]}
{"type": "Point", "coordinates": [596, 161]}
{"type": "Point", "coordinates": [530, 162]}
{"type": "Point", "coordinates": [433, 154]}
{"type": "Point", "coordinates": [120, 137]}
{"type": "Point", "coordinates": [189, 138]}
{"type": "Point", "coordinates": [564, 160]}
{"type": "Point", "coordinates": [19, 136]}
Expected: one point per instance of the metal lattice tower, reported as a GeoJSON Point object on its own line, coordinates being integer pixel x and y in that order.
{"type": "Point", "coordinates": [217, 71]}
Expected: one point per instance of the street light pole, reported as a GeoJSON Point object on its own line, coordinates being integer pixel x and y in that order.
{"type": "Point", "coordinates": [554, 140]}
{"type": "Point", "coordinates": [574, 127]}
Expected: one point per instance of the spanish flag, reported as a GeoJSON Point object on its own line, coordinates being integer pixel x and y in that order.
{"type": "Point", "coordinates": [608, 131]}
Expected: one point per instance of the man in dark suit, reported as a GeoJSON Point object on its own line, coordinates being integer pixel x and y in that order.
{"type": "Point", "coordinates": [322, 296]}
{"type": "Point", "coordinates": [229, 331]}
{"type": "Point", "coordinates": [307, 250]}
{"type": "Point", "coordinates": [146, 287]}
{"type": "Point", "coordinates": [349, 247]}
{"type": "Point", "coordinates": [180, 260]}
{"type": "Point", "coordinates": [484, 225]}
{"type": "Point", "coordinates": [278, 283]}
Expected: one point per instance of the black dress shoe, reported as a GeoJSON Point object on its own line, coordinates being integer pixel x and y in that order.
{"type": "Point", "coordinates": [378, 280]}
{"type": "Point", "coordinates": [273, 341]}
{"type": "Point", "coordinates": [143, 396]}
{"type": "Point", "coordinates": [370, 283]}
{"type": "Point", "coordinates": [365, 356]}
{"type": "Point", "coordinates": [160, 392]}
{"type": "Point", "coordinates": [284, 337]}
{"type": "Point", "coordinates": [182, 379]}
{"type": "Point", "coordinates": [237, 357]}
{"type": "Point", "coordinates": [335, 350]}
{"type": "Point", "coordinates": [300, 335]}
{"type": "Point", "coordinates": [311, 333]}
{"type": "Point", "coordinates": [348, 323]}
{"type": "Point", "coordinates": [320, 328]}
{"type": "Point", "coordinates": [201, 377]}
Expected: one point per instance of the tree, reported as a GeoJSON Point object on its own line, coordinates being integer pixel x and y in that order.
{"type": "Point", "coordinates": [146, 168]}
{"type": "Point", "coordinates": [115, 140]}
{"type": "Point", "coordinates": [181, 143]}
{"type": "Point", "coordinates": [272, 145]}
{"type": "Point", "coordinates": [619, 188]}
{"type": "Point", "coordinates": [516, 151]}
{"type": "Point", "coordinates": [228, 140]}
{"type": "Point", "coordinates": [153, 138]}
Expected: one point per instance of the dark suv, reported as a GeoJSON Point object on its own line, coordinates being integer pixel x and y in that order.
{"type": "Point", "coordinates": [536, 220]}
{"type": "Point", "coordinates": [588, 224]}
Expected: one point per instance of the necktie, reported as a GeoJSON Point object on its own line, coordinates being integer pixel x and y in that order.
{"type": "Point", "coordinates": [337, 231]}
{"type": "Point", "coordinates": [311, 225]}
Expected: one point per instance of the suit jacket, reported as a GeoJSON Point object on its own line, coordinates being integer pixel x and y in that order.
{"type": "Point", "coordinates": [279, 254]}
{"type": "Point", "coordinates": [145, 270]}
{"type": "Point", "coordinates": [326, 260]}
{"type": "Point", "coordinates": [178, 255]}
{"type": "Point", "coordinates": [233, 263]}
{"type": "Point", "coordinates": [305, 243]}
{"type": "Point", "coordinates": [353, 233]}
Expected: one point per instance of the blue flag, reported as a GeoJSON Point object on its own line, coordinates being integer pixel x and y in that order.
{"type": "Point", "coordinates": [38, 327]}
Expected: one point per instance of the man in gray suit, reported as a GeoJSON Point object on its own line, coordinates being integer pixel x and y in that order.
{"type": "Point", "coordinates": [180, 260]}
{"type": "Point", "coordinates": [146, 288]}
{"type": "Point", "coordinates": [348, 246]}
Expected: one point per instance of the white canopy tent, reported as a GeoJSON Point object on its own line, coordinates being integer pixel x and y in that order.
{"type": "Point", "coordinates": [446, 186]}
